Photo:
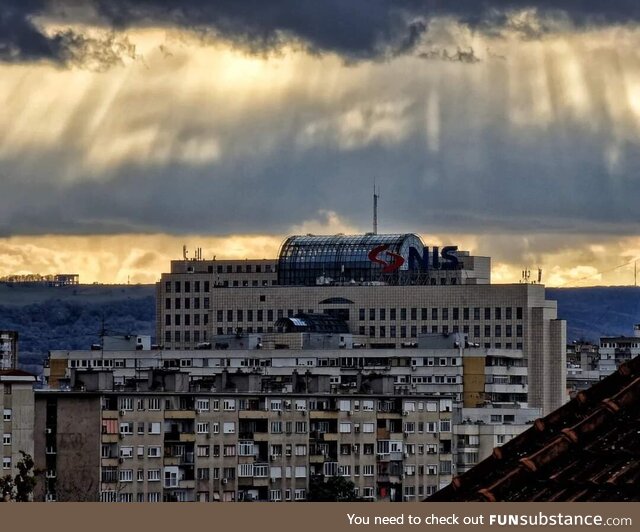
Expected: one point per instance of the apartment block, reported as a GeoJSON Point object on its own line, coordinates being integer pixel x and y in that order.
{"type": "Point", "coordinates": [17, 407]}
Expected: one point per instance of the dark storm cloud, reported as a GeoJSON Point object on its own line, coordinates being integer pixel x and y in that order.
{"type": "Point", "coordinates": [355, 29]}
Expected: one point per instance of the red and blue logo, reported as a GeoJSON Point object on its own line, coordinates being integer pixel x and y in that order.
{"type": "Point", "coordinates": [388, 267]}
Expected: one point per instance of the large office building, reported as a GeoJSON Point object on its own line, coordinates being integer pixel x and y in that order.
{"type": "Point", "coordinates": [8, 350]}
{"type": "Point", "coordinates": [388, 289]}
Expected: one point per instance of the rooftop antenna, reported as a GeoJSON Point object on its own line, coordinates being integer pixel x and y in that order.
{"type": "Point", "coordinates": [375, 209]}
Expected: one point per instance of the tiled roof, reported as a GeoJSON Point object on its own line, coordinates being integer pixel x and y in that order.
{"type": "Point", "coordinates": [587, 450]}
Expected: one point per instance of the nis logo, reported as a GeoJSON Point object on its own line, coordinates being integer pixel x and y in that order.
{"type": "Point", "coordinates": [390, 261]}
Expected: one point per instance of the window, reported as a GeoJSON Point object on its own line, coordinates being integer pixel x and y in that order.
{"type": "Point", "coordinates": [126, 403]}
{"type": "Point", "coordinates": [345, 427]}
{"type": "Point", "coordinates": [301, 450]}
{"type": "Point", "coordinates": [154, 428]}
{"type": "Point", "coordinates": [368, 428]}
{"type": "Point", "coordinates": [171, 477]}
{"type": "Point", "coordinates": [203, 450]}
{"type": "Point", "coordinates": [6, 439]}
{"type": "Point", "coordinates": [300, 494]}
{"type": "Point", "coordinates": [229, 427]}
{"type": "Point", "coordinates": [126, 475]}
{"type": "Point", "coordinates": [229, 404]}
{"type": "Point", "coordinates": [202, 405]}
{"type": "Point", "coordinates": [153, 475]}
{"type": "Point", "coordinates": [126, 452]}
{"type": "Point", "coordinates": [229, 450]}
{"type": "Point", "coordinates": [245, 448]}
{"type": "Point", "coordinates": [202, 428]}
{"type": "Point", "coordinates": [6, 462]}
{"type": "Point", "coordinates": [153, 452]}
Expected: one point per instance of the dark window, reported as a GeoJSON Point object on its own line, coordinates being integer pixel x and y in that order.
{"type": "Point", "coordinates": [229, 268]}
{"type": "Point", "coordinates": [403, 313]}
{"type": "Point", "coordinates": [167, 336]}
{"type": "Point", "coordinates": [260, 315]}
{"type": "Point", "coordinates": [392, 331]}
{"type": "Point", "coordinates": [507, 312]}
{"type": "Point", "coordinates": [519, 313]}
{"type": "Point", "coordinates": [187, 302]}
{"type": "Point", "coordinates": [176, 303]}
{"type": "Point", "coordinates": [361, 314]}
{"type": "Point", "coordinates": [498, 313]}
{"type": "Point", "coordinates": [518, 331]}
{"type": "Point", "coordinates": [414, 314]}
{"type": "Point", "coordinates": [434, 313]}
{"type": "Point", "coordinates": [167, 319]}
{"type": "Point", "coordinates": [167, 303]}
{"type": "Point", "coordinates": [238, 268]}
{"type": "Point", "coordinates": [372, 314]}
{"type": "Point", "coordinates": [434, 329]}
{"type": "Point", "coordinates": [196, 286]}
{"type": "Point", "coordinates": [414, 331]}
{"type": "Point", "coordinates": [219, 269]}
{"type": "Point", "coordinates": [167, 286]}
{"type": "Point", "coordinates": [248, 268]}
{"type": "Point", "coordinates": [176, 320]}
{"type": "Point", "coordinates": [187, 286]}
{"type": "Point", "coordinates": [206, 303]}
{"type": "Point", "coordinates": [425, 313]}
{"type": "Point", "coordinates": [196, 302]}
{"type": "Point", "coordinates": [383, 314]}
{"type": "Point", "coordinates": [187, 320]}
{"type": "Point", "coordinates": [177, 285]}
{"type": "Point", "coordinates": [229, 315]}
{"type": "Point", "coordinates": [498, 331]}
{"type": "Point", "coordinates": [445, 313]}
{"type": "Point", "coordinates": [487, 313]}
{"type": "Point", "coordinates": [392, 314]}
{"type": "Point", "coordinates": [205, 319]}
{"type": "Point", "coordinates": [249, 315]}
{"type": "Point", "coordinates": [270, 315]}
{"type": "Point", "coordinates": [240, 316]}
{"type": "Point", "coordinates": [456, 312]}
{"type": "Point", "coordinates": [403, 331]}
{"type": "Point", "coordinates": [176, 336]}
{"type": "Point", "coordinates": [258, 268]}
{"type": "Point", "coordinates": [383, 331]}
{"type": "Point", "coordinates": [372, 331]}
{"type": "Point", "coordinates": [476, 331]}
{"type": "Point", "coordinates": [263, 298]}
{"type": "Point", "coordinates": [476, 313]}
{"type": "Point", "coordinates": [196, 319]}
{"type": "Point", "coordinates": [508, 331]}
{"type": "Point", "coordinates": [487, 331]}
{"type": "Point", "coordinates": [361, 330]}
{"type": "Point", "coordinates": [465, 313]}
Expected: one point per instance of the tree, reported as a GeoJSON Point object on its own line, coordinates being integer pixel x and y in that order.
{"type": "Point", "coordinates": [19, 488]}
{"type": "Point", "coordinates": [333, 489]}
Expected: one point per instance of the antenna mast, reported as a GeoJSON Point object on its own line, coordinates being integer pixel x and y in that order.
{"type": "Point", "coordinates": [375, 209]}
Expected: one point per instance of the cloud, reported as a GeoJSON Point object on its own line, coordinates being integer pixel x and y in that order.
{"type": "Point", "coordinates": [354, 30]}
{"type": "Point", "coordinates": [546, 141]}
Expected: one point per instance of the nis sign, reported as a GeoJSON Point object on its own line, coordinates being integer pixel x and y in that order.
{"type": "Point", "coordinates": [436, 260]}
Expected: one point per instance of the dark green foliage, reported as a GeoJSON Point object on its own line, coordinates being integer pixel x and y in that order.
{"type": "Point", "coordinates": [57, 324]}
{"type": "Point", "coordinates": [333, 489]}
{"type": "Point", "coordinates": [20, 487]}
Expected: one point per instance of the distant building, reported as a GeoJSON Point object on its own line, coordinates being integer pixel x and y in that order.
{"type": "Point", "coordinates": [59, 279]}
{"type": "Point", "coordinates": [587, 450]}
{"type": "Point", "coordinates": [17, 408]}
{"type": "Point", "coordinates": [8, 350]}
{"type": "Point", "coordinates": [615, 350]}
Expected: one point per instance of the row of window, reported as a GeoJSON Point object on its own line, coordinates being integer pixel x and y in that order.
{"type": "Point", "coordinates": [445, 313]}
{"type": "Point", "coordinates": [203, 404]}
{"type": "Point", "coordinates": [393, 330]}
{"type": "Point", "coordinates": [187, 336]}
{"type": "Point", "coordinates": [187, 303]}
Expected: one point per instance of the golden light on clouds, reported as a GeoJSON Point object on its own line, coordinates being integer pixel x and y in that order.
{"type": "Point", "coordinates": [139, 258]}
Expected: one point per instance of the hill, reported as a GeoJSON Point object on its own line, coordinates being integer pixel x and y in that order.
{"type": "Point", "coordinates": [71, 317]}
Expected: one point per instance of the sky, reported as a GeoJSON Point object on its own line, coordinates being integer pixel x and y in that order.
{"type": "Point", "coordinates": [131, 128]}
